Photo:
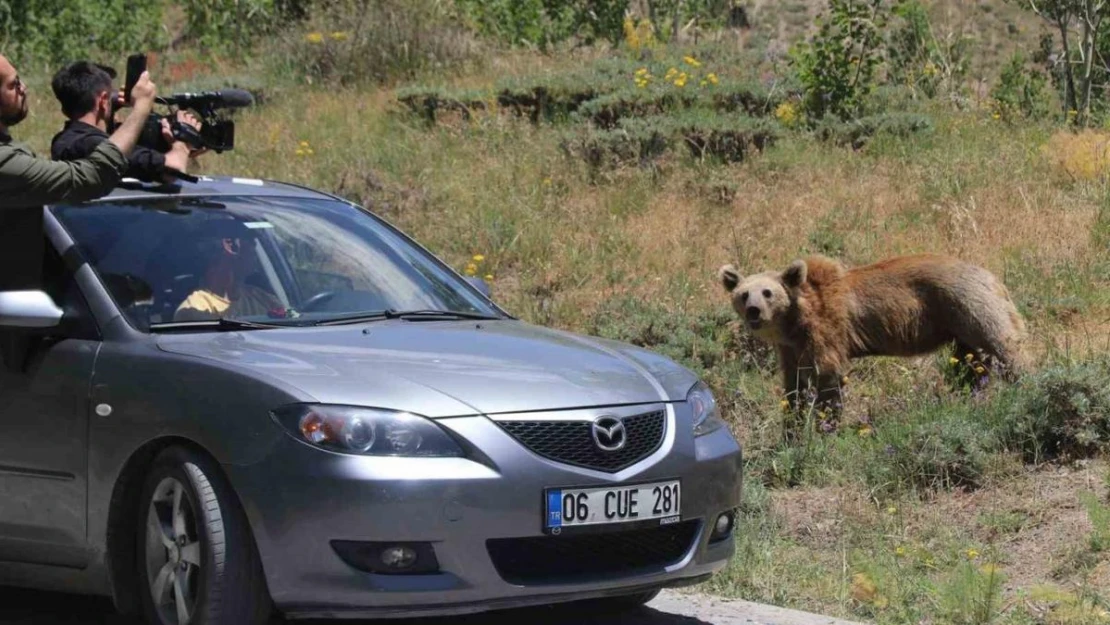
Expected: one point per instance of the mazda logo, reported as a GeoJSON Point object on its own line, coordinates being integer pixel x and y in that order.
{"type": "Point", "coordinates": [609, 433]}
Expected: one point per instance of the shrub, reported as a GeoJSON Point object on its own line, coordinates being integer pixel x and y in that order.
{"type": "Point", "coordinates": [607, 111]}
{"type": "Point", "coordinates": [858, 132]}
{"type": "Point", "coordinates": [837, 67]}
{"type": "Point", "coordinates": [1063, 413]}
{"type": "Point", "coordinates": [631, 144]}
{"type": "Point", "coordinates": [54, 32]}
{"type": "Point", "coordinates": [546, 22]}
{"type": "Point", "coordinates": [225, 26]}
{"type": "Point", "coordinates": [1021, 92]}
{"type": "Point", "coordinates": [939, 448]}
{"type": "Point", "coordinates": [726, 138]}
{"type": "Point", "coordinates": [379, 41]}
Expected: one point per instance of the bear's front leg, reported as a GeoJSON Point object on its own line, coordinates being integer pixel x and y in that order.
{"type": "Point", "coordinates": [791, 378]}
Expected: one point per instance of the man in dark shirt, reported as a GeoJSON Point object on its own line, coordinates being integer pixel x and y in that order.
{"type": "Point", "coordinates": [85, 92]}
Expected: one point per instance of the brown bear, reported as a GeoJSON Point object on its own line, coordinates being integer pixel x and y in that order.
{"type": "Point", "coordinates": [820, 314]}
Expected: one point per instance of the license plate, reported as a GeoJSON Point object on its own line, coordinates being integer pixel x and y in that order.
{"type": "Point", "coordinates": [607, 505]}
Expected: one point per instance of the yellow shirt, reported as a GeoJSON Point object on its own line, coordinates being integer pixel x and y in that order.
{"type": "Point", "coordinates": [204, 305]}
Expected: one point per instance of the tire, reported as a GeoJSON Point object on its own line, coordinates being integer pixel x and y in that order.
{"type": "Point", "coordinates": [194, 543]}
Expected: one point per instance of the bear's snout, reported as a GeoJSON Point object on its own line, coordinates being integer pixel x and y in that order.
{"type": "Point", "coordinates": [753, 313]}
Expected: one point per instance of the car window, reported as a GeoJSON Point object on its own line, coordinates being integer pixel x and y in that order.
{"type": "Point", "coordinates": [273, 259]}
{"type": "Point", "coordinates": [60, 284]}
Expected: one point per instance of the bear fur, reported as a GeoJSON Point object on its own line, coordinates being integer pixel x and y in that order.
{"type": "Point", "coordinates": [820, 315]}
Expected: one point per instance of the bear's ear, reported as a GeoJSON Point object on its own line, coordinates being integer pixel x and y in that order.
{"type": "Point", "coordinates": [729, 277]}
{"type": "Point", "coordinates": [795, 274]}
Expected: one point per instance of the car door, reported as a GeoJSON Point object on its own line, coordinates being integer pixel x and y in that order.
{"type": "Point", "coordinates": [44, 409]}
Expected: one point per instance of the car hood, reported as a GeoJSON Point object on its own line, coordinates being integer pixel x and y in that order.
{"type": "Point", "coordinates": [446, 368]}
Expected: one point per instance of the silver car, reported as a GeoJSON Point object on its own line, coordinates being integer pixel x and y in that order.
{"type": "Point", "coordinates": [238, 397]}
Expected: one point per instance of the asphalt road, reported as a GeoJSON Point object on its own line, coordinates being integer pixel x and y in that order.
{"type": "Point", "coordinates": [23, 607]}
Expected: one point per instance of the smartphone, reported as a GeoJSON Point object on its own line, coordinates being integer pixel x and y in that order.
{"type": "Point", "coordinates": [136, 65]}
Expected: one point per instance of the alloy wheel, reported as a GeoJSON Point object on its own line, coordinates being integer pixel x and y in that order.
{"type": "Point", "coordinates": [173, 553]}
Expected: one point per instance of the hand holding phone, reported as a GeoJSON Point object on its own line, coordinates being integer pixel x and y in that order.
{"type": "Point", "coordinates": [136, 65]}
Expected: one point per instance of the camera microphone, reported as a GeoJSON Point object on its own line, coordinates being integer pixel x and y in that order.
{"type": "Point", "coordinates": [225, 98]}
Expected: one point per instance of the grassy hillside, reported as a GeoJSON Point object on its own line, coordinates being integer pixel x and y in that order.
{"type": "Point", "coordinates": [610, 212]}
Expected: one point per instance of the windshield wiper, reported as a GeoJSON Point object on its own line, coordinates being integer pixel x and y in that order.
{"type": "Point", "coordinates": [223, 323]}
{"type": "Point", "coordinates": [411, 315]}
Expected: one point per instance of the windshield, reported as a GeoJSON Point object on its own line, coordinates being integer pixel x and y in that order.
{"type": "Point", "coordinates": [273, 260]}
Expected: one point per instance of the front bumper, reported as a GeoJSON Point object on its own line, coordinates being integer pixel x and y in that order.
{"type": "Point", "coordinates": [299, 499]}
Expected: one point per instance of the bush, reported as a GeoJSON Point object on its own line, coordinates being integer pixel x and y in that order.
{"type": "Point", "coordinates": [726, 138]}
{"type": "Point", "coordinates": [937, 448]}
{"type": "Point", "coordinates": [55, 32]}
{"type": "Point", "coordinates": [372, 41]}
{"type": "Point", "coordinates": [1021, 92]}
{"type": "Point", "coordinates": [837, 68]}
{"type": "Point", "coordinates": [543, 23]}
{"type": "Point", "coordinates": [858, 132]}
{"type": "Point", "coordinates": [635, 143]}
{"type": "Point", "coordinates": [234, 26]}
{"type": "Point", "coordinates": [1063, 413]}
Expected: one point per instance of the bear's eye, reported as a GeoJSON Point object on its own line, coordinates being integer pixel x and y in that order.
{"type": "Point", "coordinates": [744, 296]}
{"type": "Point", "coordinates": [767, 293]}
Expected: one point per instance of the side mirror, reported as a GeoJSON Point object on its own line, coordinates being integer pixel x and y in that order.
{"type": "Point", "coordinates": [479, 284]}
{"type": "Point", "coordinates": [28, 309]}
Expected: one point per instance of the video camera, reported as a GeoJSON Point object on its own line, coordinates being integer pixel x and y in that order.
{"type": "Point", "coordinates": [217, 133]}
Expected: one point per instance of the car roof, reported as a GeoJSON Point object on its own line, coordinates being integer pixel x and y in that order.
{"type": "Point", "coordinates": [208, 186]}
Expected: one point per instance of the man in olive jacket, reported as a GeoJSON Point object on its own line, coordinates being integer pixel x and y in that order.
{"type": "Point", "coordinates": [28, 182]}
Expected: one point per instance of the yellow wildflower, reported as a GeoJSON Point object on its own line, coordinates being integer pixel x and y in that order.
{"type": "Point", "coordinates": [314, 37]}
{"type": "Point", "coordinates": [712, 78]}
{"type": "Point", "coordinates": [865, 431]}
{"type": "Point", "coordinates": [784, 404]}
{"type": "Point", "coordinates": [980, 370]}
{"type": "Point", "coordinates": [489, 277]}
{"type": "Point", "coordinates": [691, 61]}
{"type": "Point", "coordinates": [969, 357]}
{"type": "Point", "coordinates": [642, 71]}
{"type": "Point", "coordinates": [671, 73]}
{"type": "Point", "coordinates": [471, 269]}
{"type": "Point", "coordinates": [786, 113]}
{"type": "Point", "coordinates": [900, 551]}
{"type": "Point", "coordinates": [547, 182]}
{"type": "Point", "coordinates": [339, 36]}
{"type": "Point", "coordinates": [953, 361]}
{"type": "Point", "coordinates": [303, 144]}
{"type": "Point", "coordinates": [891, 510]}
{"type": "Point", "coordinates": [300, 152]}
{"type": "Point", "coordinates": [972, 554]}
{"type": "Point", "coordinates": [478, 258]}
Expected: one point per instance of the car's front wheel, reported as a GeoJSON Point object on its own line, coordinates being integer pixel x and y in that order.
{"type": "Point", "coordinates": [197, 561]}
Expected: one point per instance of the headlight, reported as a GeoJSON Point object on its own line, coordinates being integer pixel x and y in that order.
{"type": "Point", "coordinates": [366, 431]}
{"type": "Point", "coordinates": [706, 417]}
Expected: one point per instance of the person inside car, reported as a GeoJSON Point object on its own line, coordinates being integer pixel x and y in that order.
{"type": "Point", "coordinates": [224, 291]}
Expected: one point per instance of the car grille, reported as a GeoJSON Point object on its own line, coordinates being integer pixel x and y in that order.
{"type": "Point", "coordinates": [571, 442]}
{"type": "Point", "coordinates": [553, 559]}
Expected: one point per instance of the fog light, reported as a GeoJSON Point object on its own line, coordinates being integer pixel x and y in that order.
{"type": "Point", "coordinates": [398, 557]}
{"type": "Point", "coordinates": [388, 558]}
{"type": "Point", "coordinates": [723, 527]}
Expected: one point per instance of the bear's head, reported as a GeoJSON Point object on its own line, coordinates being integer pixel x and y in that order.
{"type": "Point", "coordinates": [764, 300]}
